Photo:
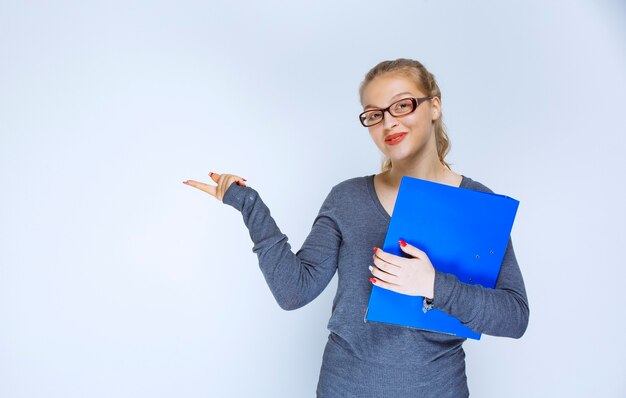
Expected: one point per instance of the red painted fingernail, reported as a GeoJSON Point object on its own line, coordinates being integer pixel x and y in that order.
{"type": "Point", "coordinates": [372, 280]}
{"type": "Point", "coordinates": [375, 248]}
{"type": "Point", "coordinates": [402, 243]}
{"type": "Point", "coordinates": [244, 179]}
{"type": "Point", "coordinates": [211, 173]}
{"type": "Point", "coordinates": [185, 182]}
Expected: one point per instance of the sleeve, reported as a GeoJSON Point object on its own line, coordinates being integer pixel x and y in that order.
{"type": "Point", "coordinates": [502, 311]}
{"type": "Point", "coordinates": [294, 279]}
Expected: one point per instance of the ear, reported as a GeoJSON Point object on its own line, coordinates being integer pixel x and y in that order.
{"type": "Point", "coordinates": [436, 108]}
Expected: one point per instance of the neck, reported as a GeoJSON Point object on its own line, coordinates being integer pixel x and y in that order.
{"type": "Point", "coordinates": [431, 171]}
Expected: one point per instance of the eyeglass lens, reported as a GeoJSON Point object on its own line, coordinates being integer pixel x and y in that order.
{"type": "Point", "coordinates": [398, 108]}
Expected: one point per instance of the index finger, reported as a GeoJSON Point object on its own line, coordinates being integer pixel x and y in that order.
{"type": "Point", "coordinates": [210, 189]}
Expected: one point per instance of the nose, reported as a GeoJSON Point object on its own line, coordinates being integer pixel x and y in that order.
{"type": "Point", "coordinates": [388, 120]}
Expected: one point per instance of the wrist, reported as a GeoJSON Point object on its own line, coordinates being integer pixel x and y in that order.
{"type": "Point", "coordinates": [429, 292]}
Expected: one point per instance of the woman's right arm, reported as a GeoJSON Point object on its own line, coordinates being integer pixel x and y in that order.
{"type": "Point", "coordinates": [294, 279]}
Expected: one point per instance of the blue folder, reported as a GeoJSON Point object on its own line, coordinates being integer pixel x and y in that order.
{"type": "Point", "coordinates": [464, 232]}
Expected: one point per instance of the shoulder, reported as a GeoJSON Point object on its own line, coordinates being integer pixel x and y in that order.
{"type": "Point", "coordinates": [470, 183]}
{"type": "Point", "coordinates": [351, 186]}
{"type": "Point", "coordinates": [348, 192]}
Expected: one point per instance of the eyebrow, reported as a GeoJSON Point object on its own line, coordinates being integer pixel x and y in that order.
{"type": "Point", "coordinates": [397, 95]}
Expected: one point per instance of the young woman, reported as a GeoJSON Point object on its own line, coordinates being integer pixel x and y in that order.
{"type": "Point", "coordinates": [402, 111]}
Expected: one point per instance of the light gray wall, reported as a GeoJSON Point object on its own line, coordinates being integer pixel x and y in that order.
{"type": "Point", "coordinates": [116, 280]}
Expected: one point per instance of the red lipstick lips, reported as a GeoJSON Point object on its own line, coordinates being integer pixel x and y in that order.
{"type": "Point", "coordinates": [395, 138]}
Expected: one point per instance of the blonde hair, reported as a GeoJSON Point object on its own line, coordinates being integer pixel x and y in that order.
{"type": "Point", "coordinates": [426, 82]}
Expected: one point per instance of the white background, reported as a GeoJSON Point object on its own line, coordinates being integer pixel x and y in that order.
{"type": "Point", "coordinates": [116, 280]}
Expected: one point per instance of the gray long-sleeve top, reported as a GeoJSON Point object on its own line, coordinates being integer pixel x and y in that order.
{"type": "Point", "coordinates": [350, 223]}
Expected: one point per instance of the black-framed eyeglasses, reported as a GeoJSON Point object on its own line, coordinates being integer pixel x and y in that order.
{"type": "Point", "coordinates": [401, 107]}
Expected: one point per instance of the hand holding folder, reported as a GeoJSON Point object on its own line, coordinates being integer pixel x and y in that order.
{"type": "Point", "coordinates": [412, 276]}
{"type": "Point", "coordinates": [463, 232]}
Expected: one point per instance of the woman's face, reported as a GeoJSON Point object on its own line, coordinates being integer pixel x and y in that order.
{"type": "Point", "coordinates": [415, 129]}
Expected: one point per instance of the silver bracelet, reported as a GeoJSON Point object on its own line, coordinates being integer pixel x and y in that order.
{"type": "Point", "coordinates": [428, 305]}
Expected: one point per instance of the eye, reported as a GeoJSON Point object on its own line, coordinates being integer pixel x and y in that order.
{"type": "Point", "coordinates": [402, 106]}
{"type": "Point", "coordinates": [373, 116]}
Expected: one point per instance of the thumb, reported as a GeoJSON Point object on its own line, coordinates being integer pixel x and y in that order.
{"type": "Point", "coordinates": [238, 180]}
{"type": "Point", "coordinates": [214, 176]}
{"type": "Point", "coordinates": [410, 249]}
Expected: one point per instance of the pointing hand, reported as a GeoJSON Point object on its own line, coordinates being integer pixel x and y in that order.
{"type": "Point", "coordinates": [223, 182]}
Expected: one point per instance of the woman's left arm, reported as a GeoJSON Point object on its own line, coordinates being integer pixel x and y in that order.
{"type": "Point", "coordinates": [502, 311]}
